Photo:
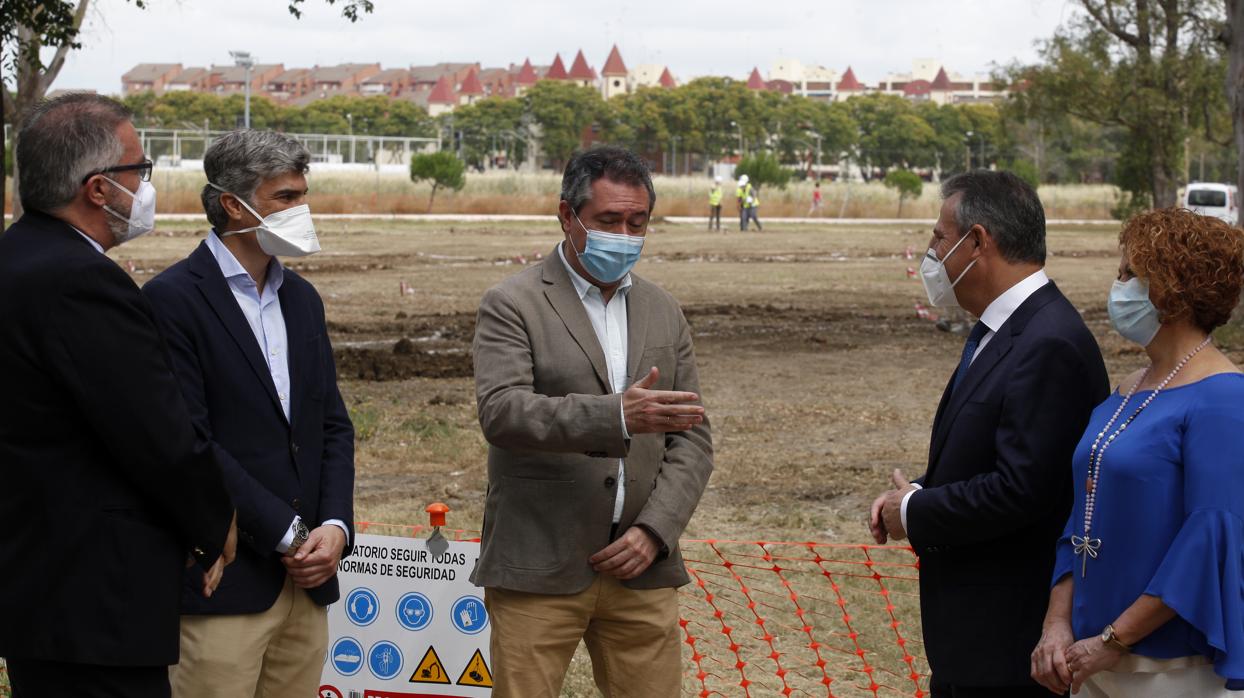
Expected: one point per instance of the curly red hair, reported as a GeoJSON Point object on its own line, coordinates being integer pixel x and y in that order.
{"type": "Point", "coordinates": [1194, 264]}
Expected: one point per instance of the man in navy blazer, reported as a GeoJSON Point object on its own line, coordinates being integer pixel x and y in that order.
{"type": "Point", "coordinates": [251, 352]}
{"type": "Point", "coordinates": [991, 505]}
{"type": "Point", "coordinates": [107, 490]}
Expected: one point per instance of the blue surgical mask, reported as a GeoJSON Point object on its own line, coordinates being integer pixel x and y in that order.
{"type": "Point", "coordinates": [608, 256]}
{"type": "Point", "coordinates": [1132, 314]}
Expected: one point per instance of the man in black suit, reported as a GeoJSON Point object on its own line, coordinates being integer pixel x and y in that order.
{"type": "Point", "coordinates": [106, 488]}
{"type": "Point", "coordinates": [251, 351]}
{"type": "Point", "coordinates": [985, 516]}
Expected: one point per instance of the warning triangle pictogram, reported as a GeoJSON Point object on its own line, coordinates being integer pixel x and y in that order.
{"type": "Point", "coordinates": [476, 672]}
{"type": "Point", "coordinates": [430, 669]}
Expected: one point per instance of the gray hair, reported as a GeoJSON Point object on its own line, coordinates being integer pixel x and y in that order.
{"type": "Point", "coordinates": [239, 161]}
{"type": "Point", "coordinates": [609, 161]}
{"type": "Point", "coordinates": [62, 141]}
{"type": "Point", "coordinates": [1006, 206]}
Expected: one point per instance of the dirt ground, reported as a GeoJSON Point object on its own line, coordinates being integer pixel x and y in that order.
{"type": "Point", "coordinates": [818, 375]}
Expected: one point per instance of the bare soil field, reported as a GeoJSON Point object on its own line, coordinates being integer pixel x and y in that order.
{"type": "Point", "coordinates": [818, 376]}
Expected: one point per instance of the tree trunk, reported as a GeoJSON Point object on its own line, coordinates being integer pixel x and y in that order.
{"type": "Point", "coordinates": [433, 197]}
{"type": "Point", "coordinates": [33, 81]}
{"type": "Point", "coordinates": [1234, 31]}
{"type": "Point", "coordinates": [1165, 186]}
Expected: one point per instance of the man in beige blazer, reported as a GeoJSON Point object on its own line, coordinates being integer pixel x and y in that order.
{"type": "Point", "coordinates": [599, 449]}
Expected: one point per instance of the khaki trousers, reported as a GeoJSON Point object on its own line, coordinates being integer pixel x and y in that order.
{"type": "Point", "coordinates": [275, 654]}
{"type": "Point", "coordinates": [631, 634]}
{"type": "Point", "coordinates": [1136, 676]}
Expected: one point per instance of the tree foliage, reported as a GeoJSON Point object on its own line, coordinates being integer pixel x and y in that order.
{"type": "Point", "coordinates": [1152, 70]}
{"type": "Point", "coordinates": [907, 183]}
{"type": "Point", "coordinates": [763, 169]}
{"type": "Point", "coordinates": [562, 111]}
{"type": "Point", "coordinates": [443, 170]}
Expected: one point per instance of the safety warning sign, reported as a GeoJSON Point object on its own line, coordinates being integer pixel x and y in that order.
{"type": "Point", "coordinates": [409, 621]}
{"type": "Point", "coordinates": [430, 670]}
{"type": "Point", "coordinates": [476, 672]}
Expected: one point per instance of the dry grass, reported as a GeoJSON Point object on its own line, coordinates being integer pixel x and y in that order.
{"type": "Point", "coordinates": [507, 192]}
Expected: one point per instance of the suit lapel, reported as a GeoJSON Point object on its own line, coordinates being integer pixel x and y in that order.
{"type": "Point", "coordinates": [218, 295]}
{"type": "Point", "coordinates": [297, 347]}
{"type": "Point", "coordinates": [637, 309]}
{"type": "Point", "coordinates": [999, 346]}
{"type": "Point", "coordinates": [993, 352]}
{"type": "Point", "coordinates": [569, 307]}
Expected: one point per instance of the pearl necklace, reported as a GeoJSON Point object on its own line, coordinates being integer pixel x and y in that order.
{"type": "Point", "coordinates": [1085, 545]}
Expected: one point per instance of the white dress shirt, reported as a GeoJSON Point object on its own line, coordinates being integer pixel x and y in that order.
{"type": "Point", "coordinates": [262, 310]}
{"type": "Point", "coordinates": [98, 248]}
{"type": "Point", "coordinates": [609, 323]}
{"type": "Point", "coordinates": [998, 312]}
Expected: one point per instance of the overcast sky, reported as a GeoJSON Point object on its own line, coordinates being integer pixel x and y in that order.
{"type": "Point", "coordinates": [691, 37]}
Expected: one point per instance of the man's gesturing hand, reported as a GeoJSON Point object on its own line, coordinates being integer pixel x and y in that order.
{"type": "Point", "coordinates": [628, 556]}
{"type": "Point", "coordinates": [658, 411]}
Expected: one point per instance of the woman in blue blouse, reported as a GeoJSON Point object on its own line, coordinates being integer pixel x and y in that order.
{"type": "Point", "coordinates": [1148, 588]}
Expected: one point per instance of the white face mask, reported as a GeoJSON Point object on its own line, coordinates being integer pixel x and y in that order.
{"type": "Point", "coordinates": [937, 284]}
{"type": "Point", "coordinates": [141, 219]}
{"type": "Point", "coordinates": [1131, 312]}
{"type": "Point", "coordinates": [288, 233]}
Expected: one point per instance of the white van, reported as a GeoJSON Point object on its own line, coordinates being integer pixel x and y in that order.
{"type": "Point", "coordinates": [1218, 200]}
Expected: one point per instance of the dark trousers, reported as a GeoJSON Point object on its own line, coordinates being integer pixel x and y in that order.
{"type": "Point", "coordinates": [39, 678]}
{"type": "Point", "coordinates": [742, 219]}
{"type": "Point", "coordinates": [714, 214]}
{"type": "Point", "coordinates": [1032, 690]}
{"type": "Point", "coordinates": [753, 214]}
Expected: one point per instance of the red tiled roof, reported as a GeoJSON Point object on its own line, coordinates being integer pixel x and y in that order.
{"type": "Point", "coordinates": [667, 80]}
{"type": "Point", "coordinates": [471, 85]}
{"type": "Point", "coordinates": [443, 93]}
{"type": "Point", "coordinates": [942, 81]}
{"type": "Point", "coordinates": [849, 82]}
{"type": "Point", "coordinates": [917, 87]}
{"type": "Point", "coordinates": [755, 82]}
{"type": "Point", "coordinates": [527, 75]}
{"type": "Point", "coordinates": [783, 86]}
{"type": "Point", "coordinates": [557, 71]}
{"type": "Point", "coordinates": [579, 69]}
{"type": "Point", "coordinates": [614, 64]}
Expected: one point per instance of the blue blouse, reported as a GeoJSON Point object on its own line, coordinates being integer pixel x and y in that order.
{"type": "Point", "coordinates": [1170, 516]}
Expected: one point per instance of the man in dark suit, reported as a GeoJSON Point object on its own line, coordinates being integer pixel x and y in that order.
{"type": "Point", "coordinates": [997, 491]}
{"type": "Point", "coordinates": [106, 488]}
{"type": "Point", "coordinates": [251, 351]}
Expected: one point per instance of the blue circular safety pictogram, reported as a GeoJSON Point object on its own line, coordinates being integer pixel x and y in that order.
{"type": "Point", "coordinates": [362, 606]}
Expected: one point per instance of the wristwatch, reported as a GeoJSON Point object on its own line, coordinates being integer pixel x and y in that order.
{"type": "Point", "coordinates": [1110, 639]}
{"type": "Point", "coordinates": [300, 536]}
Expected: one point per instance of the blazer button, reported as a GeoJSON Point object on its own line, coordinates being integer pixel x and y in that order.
{"type": "Point", "coordinates": [610, 482]}
{"type": "Point", "coordinates": [297, 504]}
{"type": "Point", "coordinates": [293, 448]}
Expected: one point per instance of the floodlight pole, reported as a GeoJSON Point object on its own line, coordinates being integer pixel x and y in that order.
{"type": "Point", "coordinates": [242, 59]}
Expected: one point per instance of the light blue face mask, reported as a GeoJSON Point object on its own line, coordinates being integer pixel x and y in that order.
{"type": "Point", "coordinates": [1131, 312]}
{"type": "Point", "coordinates": [608, 256]}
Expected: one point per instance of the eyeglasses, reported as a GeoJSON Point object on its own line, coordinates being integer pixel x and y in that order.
{"type": "Point", "coordinates": [144, 170]}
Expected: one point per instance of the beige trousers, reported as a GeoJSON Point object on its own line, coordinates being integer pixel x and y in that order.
{"type": "Point", "coordinates": [631, 634]}
{"type": "Point", "coordinates": [275, 654]}
{"type": "Point", "coordinates": [1142, 677]}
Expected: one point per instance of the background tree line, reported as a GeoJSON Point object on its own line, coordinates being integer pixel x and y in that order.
{"type": "Point", "coordinates": [1145, 94]}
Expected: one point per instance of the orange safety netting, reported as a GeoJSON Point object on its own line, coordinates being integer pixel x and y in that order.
{"type": "Point", "coordinates": [764, 618]}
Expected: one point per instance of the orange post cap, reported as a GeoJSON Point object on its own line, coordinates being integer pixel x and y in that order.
{"type": "Point", "coordinates": [436, 513]}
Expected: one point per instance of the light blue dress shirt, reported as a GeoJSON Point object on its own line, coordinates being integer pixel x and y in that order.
{"type": "Point", "coordinates": [609, 323]}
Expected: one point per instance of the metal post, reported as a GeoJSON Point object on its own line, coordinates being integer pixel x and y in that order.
{"type": "Point", "coordinates": [350, 122]}
{"type": "Point", "coordinates": [242, 59]}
